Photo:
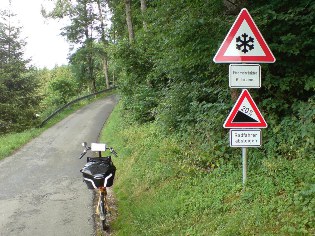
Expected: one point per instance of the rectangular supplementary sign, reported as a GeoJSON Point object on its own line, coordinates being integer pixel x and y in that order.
{"type": "Point", "coordinates": [245, 137]}
{"type": "Point", "coordinates": [244, 76]}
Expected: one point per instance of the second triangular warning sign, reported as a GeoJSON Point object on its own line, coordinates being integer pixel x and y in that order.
{"type": "Point", "coordinates": [244, 43]}
{"type": "Point", "coordinates": [245, 114]}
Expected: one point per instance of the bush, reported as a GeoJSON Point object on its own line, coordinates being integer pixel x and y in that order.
{"type": "Point", "coordinates": [293, 136]}
{"type": "Point", "coordinates": [19, 101]}
{"type": "Point", "coordinates": [58, 88]}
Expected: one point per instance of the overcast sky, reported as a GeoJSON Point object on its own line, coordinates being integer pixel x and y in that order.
{"type": "Point", "coordinates": [44, 44]}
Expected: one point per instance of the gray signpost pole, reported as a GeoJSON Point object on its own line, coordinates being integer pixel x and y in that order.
{"type": "Point", "coordinates": [244, 159]}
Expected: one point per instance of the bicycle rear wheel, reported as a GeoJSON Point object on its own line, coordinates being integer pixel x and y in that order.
{"type": "Point", "coordinates": [102, 209]}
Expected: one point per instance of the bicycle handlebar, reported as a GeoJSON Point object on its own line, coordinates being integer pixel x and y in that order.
{"type": "Point", "coordinates": [82, 155]}
{"type": "Point", "coordinates": [89, 148]}
{"type": "Point", "coordinates": [113, 151]}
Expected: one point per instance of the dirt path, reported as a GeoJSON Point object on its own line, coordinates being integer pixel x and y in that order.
{"type": "Point", "coordinates": [41, 188]}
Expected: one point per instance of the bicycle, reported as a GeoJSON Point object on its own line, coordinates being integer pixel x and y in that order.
{"type": "Point", "coordinates": [99, 173]}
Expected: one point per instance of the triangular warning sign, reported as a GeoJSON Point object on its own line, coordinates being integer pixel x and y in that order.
{"type": "Point", "coordinates": [245, 114]}
{"type": "Point", "coordinates": [244, 43]}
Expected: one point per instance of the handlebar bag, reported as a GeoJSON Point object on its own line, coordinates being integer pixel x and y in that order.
{"type": "Point", "coordinates": [98, 174]}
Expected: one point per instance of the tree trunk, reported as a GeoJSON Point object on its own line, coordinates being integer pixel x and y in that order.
{"type": "Point", "coordinates": [129, 21]}
{"type": "Point", "coordinates": [91, 71]}
{"type": "Point", "coordinates": [234, 6]}
{"type": "Point", "coordinates": [105, 68]}
{"type": "Point", "coordinates": [101, 19]}
{"type": "Point", "coordinates": [234, 94]}
{"type": "Point", "coordinates": [105, 61]}
{"type": "Point", "coordinates": [113, 77]}
{"type": "Point", "coordinates": [143, 10]}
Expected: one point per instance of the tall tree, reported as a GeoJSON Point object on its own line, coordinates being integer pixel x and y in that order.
{"type": "Point", "coordinates": [143, 11]}
{"type": "Point", "coordinates": [104, 41]}
{"type": "Point", "coordinates": [129, 21]}
{"type": "Point", "coordinates": [86, 27]}
{"type": "Point", "coordinates": [11, 47]}
{"type": "Point", "coordinates": [18, 83]}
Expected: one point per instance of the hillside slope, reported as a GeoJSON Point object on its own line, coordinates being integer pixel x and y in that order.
{"type": "Point", "coordinates": [161, 190]}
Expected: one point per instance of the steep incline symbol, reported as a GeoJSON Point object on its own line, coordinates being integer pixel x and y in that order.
{"type": "Point", "coordinates": [245, 114]}
{"type": "Point", "coordinates": [242, 117]}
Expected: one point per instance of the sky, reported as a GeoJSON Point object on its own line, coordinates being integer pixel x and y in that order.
{"type": "Point", "coordinates": [45, 46]}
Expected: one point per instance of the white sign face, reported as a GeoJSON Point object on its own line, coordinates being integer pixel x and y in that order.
{"type": "Point", "coordinates": [244, 43]}
{"type": "Point", "coordinates": [245, 138]}
{"type": "Point", "coordinates": [244, 76]}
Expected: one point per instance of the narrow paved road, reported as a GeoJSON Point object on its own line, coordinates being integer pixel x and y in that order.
{"type": "Point", "coordinates": [41, 188]}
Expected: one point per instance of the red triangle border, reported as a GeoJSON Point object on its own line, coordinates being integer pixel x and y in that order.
{"type": "Point", "coordinates": [244, 15]}
{"type": "Point", "coordinates": [229, 121]}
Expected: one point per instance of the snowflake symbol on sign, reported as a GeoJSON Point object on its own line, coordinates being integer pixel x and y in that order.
{"type": "Point", "coordinates": [244, 43]}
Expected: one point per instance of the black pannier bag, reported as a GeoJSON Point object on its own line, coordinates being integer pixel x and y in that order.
{"type": "Point", "coordinates": [98, 172]}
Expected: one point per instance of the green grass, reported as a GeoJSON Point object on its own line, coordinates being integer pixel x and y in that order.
{"type": "Point", "coordinates": [11, 142]}
{"type": "Point", "coordinates": [160, 193]}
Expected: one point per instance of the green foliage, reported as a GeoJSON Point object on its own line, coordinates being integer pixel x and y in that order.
{"type": "Point", "coordinates": [287, 96]}
{"type": "Point", "coordinates": [160, 192]}
{"type": "Point", "coordinates": [59, 87]}
{"type": "Point", "coordinates": [86, 28]}
{"type": "Point", "coordinates": [168, 75]}
{"type": "Point", "coordinates": [287, 29]}
{"type": "Point", "coordinates": [13, 141]}
{"type": "Point", "coordinates": [294, 136]}
{"type": "Point", "coordinates": [19, 99]}
{"type": "Point", "coordinates": [139, 96]}
{"type": "Point", "coordinates": [87, 66]}
{"type": "Point", "coordinates": [179, 177]}
{"type": "Point", "coordinates": [182, 58]}
{"type": "Point", "coordinates": [62, 90]}
{"type": "Point", "coordinates": [12, 45]}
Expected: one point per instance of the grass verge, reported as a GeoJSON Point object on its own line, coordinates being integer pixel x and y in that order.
{"type": "Point", "coordinates": [160, 193]}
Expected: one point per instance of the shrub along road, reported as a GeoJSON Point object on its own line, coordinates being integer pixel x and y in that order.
{"type": "Point", "coordinates": [42, 192]}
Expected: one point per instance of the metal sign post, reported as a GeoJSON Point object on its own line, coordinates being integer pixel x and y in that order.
{"type": "Point", "coordinates": [244, 44]}
{"type": "Point", "coordinates": [244, 161]}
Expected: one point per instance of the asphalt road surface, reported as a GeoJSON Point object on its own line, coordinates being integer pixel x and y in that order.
{"type": "Point", "coordinates": [41, 188]}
